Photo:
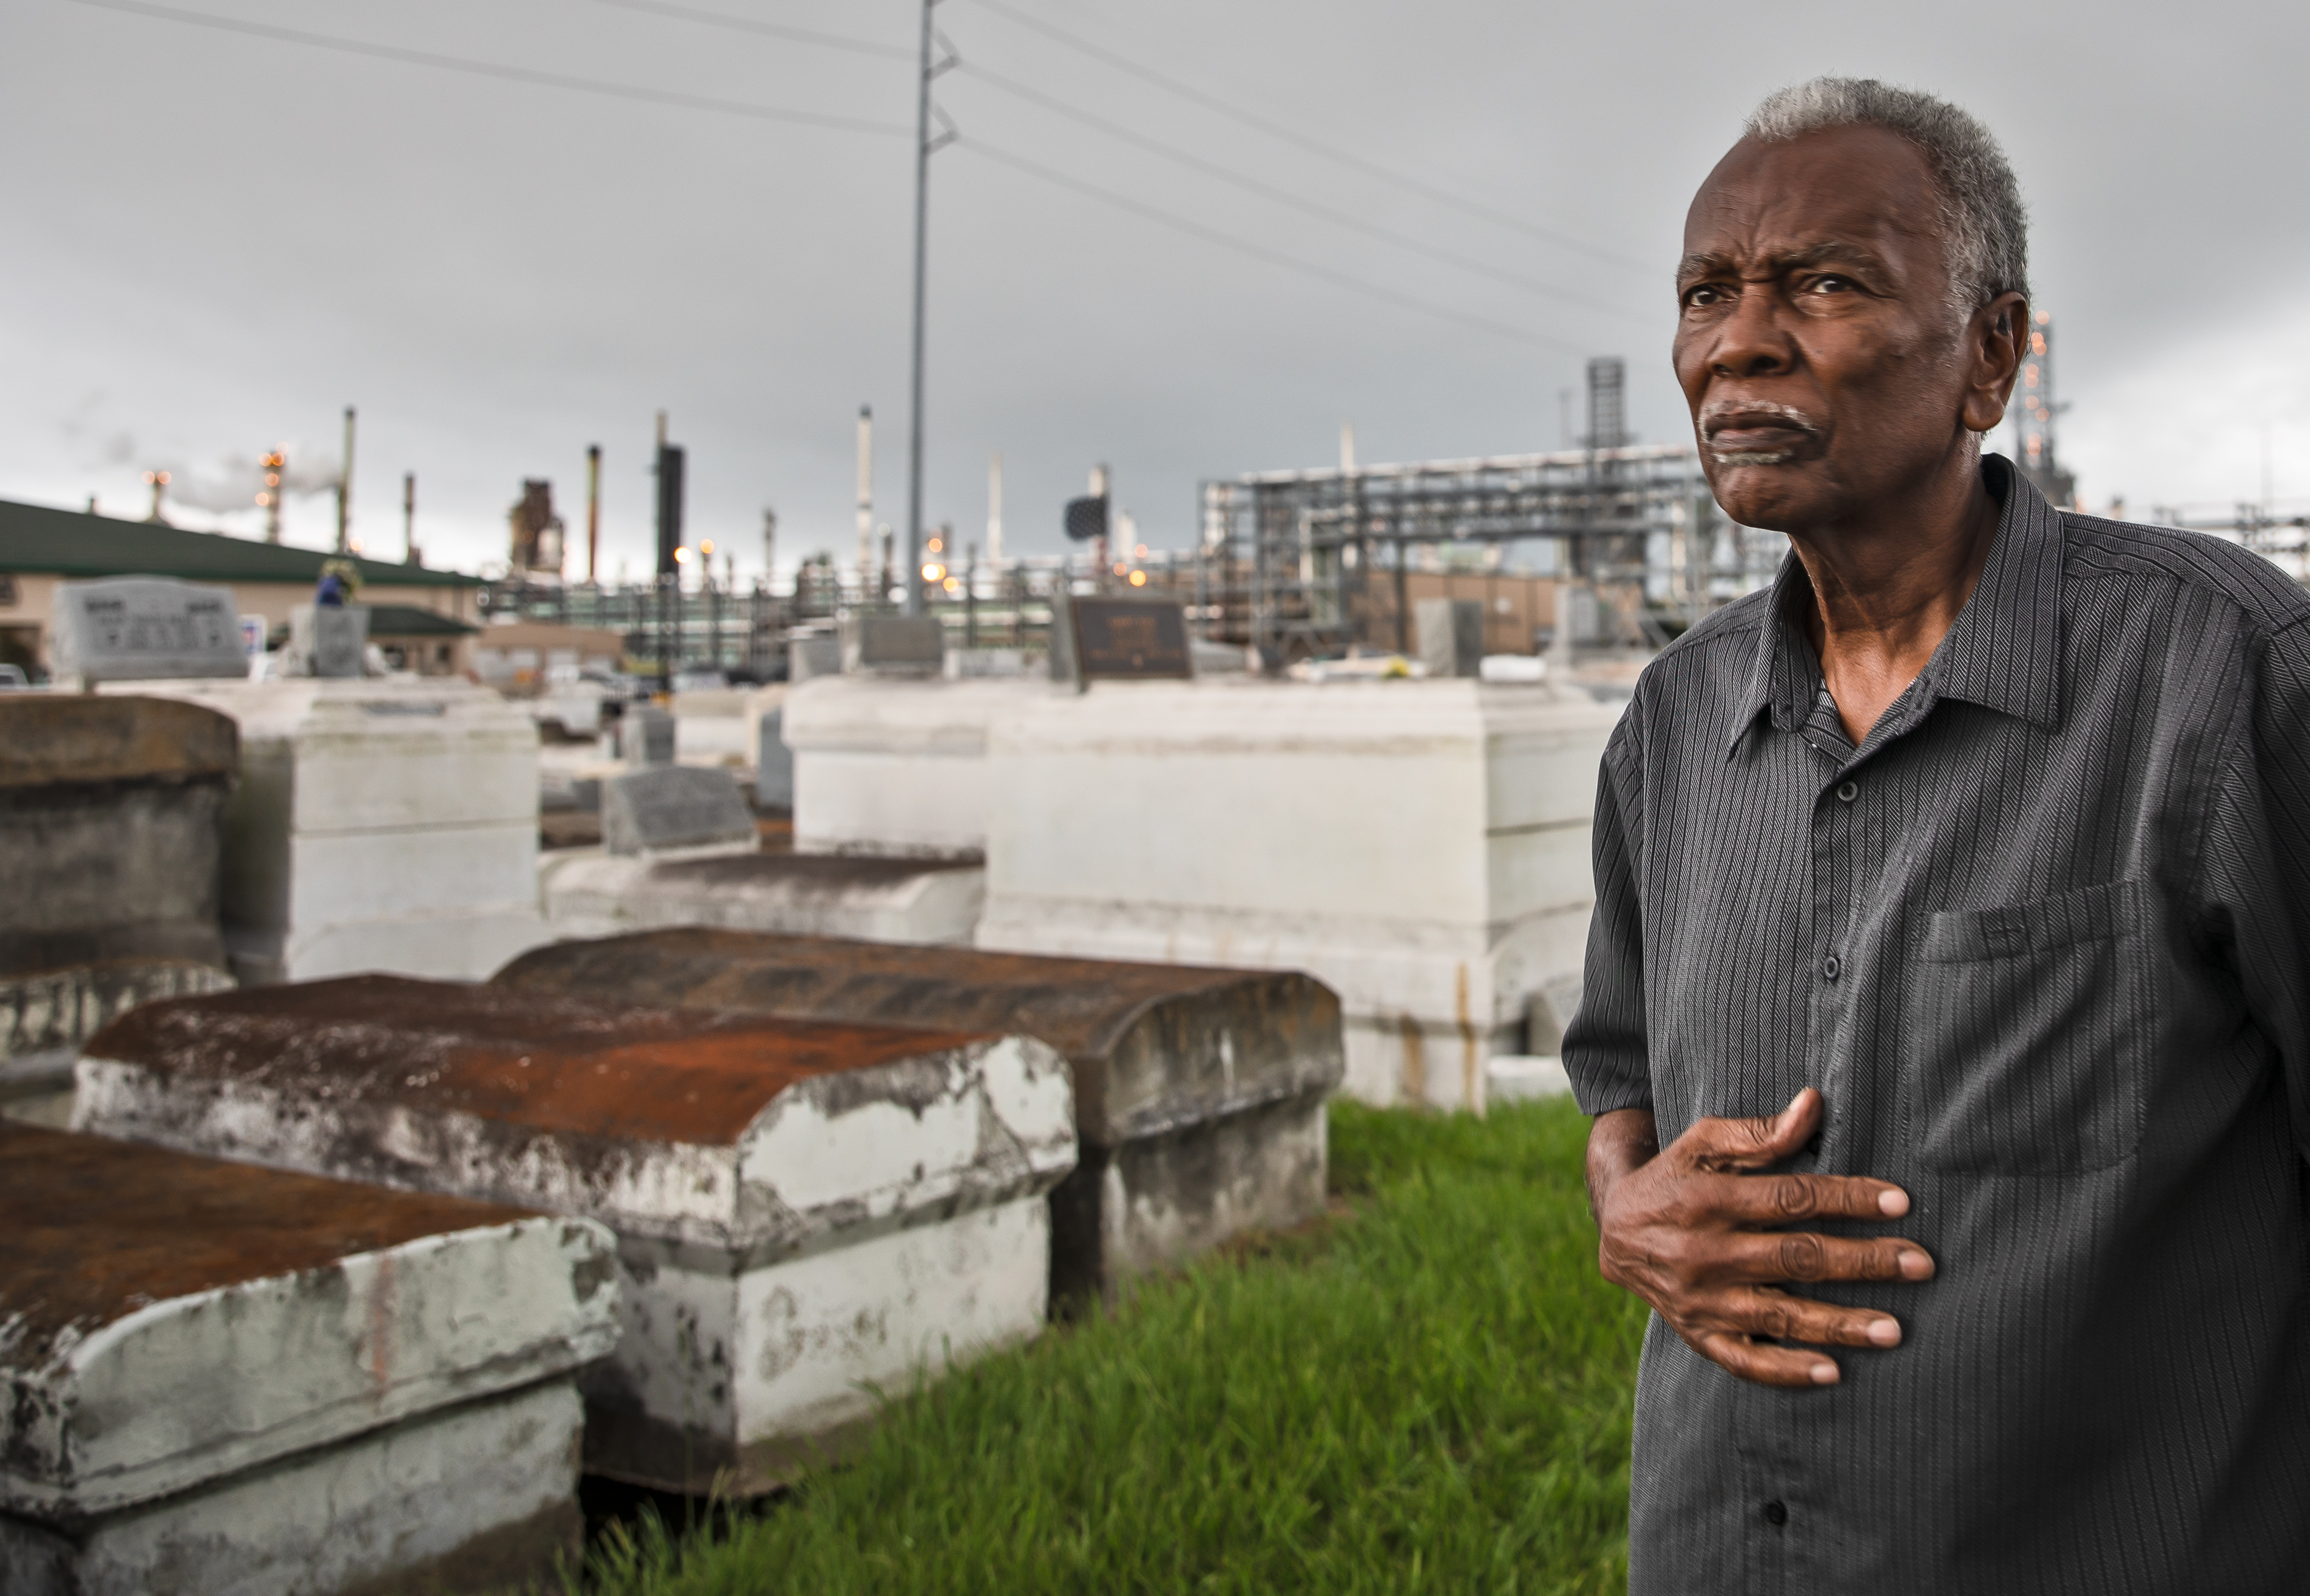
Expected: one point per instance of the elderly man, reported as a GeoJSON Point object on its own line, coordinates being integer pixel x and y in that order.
{"type": "Point", "coordinates": [1945, 1024]}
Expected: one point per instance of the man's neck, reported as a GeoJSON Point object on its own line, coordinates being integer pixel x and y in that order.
{"type": "Point", "coordinates": [1887, 590]}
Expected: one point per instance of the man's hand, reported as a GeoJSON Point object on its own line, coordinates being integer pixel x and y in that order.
{"type": "Point", "coordinates": [1703, 1242]}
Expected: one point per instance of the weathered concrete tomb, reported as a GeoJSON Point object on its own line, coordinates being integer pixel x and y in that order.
{"type": "Point", "coordinates": [1199, 1093]}
{"type": "Point", "coordinates": [801, 1210]}
{"type": "Point", "coordinates": [111, 835]}
{"type": "Point", "coordinates": [223, 1378]}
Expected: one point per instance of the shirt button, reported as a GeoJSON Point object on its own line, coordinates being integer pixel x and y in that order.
{"type": "Point", "coordinates": [1832, 968]}
{"type": "Point", "coordinates": [1776, 1514]}
{"type": "Point", "coordinates": [1847, 790]}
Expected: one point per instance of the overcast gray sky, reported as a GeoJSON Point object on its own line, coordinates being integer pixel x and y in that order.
{"type": "Point", "coordinates": [216, 241]}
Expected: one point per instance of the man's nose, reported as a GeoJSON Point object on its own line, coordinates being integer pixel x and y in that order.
{"type": "Point", "coordinates": [1750, 342]}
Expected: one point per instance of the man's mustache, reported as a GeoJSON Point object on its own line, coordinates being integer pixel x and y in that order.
{"type": "Point", "coordinates": [1720, 413]}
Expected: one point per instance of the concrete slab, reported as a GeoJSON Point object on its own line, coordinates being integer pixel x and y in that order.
{"type": "Point", "coordinates": [587, 893]}
{"type": "Point", "coordinates": [1199, 1093]}
{"type": "Point", "coordinates": [222, 1377]}
{"type": "Point", "coordinates": [801, 1208]}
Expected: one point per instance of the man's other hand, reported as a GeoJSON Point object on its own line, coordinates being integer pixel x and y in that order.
{"type": "Point", "coordinates": [1702, 1240]}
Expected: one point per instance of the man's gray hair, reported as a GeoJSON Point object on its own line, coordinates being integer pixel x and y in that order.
{"type": "Point", "coordinates": [1981, 218]}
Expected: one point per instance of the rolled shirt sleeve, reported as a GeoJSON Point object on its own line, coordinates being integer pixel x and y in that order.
{"type": "Point", "coordinates": [1604, 1051]}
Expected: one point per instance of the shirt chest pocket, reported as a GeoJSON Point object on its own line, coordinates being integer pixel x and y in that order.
{"type": "Point", "coordinates": [2030, 1032]}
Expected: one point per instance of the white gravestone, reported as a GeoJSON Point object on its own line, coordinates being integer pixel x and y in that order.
{"type": "Point", "coordinates": [135, 628]}
{"type": "Point", "coordinates": [329, 640]}
{"type": "Point", "coordinates": [673, 807]}
{"type": "Point", "coordinates": [897, 644]}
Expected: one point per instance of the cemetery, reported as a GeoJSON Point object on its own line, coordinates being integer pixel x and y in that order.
{"type": "Point", "coordinates": [775, 1142]}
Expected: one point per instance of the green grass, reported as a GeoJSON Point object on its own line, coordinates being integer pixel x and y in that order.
{"type": "Point", "coordinates": [1431, 1391]}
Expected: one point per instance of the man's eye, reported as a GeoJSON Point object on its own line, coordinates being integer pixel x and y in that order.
{"type": "Point", "coordinates": [1830, 285]}
{"type": "Point", "coordinates": [1703, 295]}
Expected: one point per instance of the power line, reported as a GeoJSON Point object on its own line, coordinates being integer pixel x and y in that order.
{"type": "Point", "coordinates": [1259, 251]}
{"type": "Point", "coordinates": [716, 19]}
{"type": "Point", "coordinates": [1338, 218]}
{"type": "Point", "coordinates": [1314, 146]}
{"type": "Point", "coordinates": [517, 74]}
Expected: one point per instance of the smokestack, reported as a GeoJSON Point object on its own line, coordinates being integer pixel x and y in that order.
{"type": "Point", "coordinates": [995, 510]}
{"type": "Point", "coordinates": [769, 545]}
{"type": "Point", "coordinates": [865, 492]}
{"type": "Point", "coordinates": [593, 510]}
{"type": "Point", "coordinates": [670, 472]}
{"type": "Point", "coordinates": [409, 517]}
{"type": "Point", "coordinates": [1347, 446]}
{"type": "Point", "coordinates": [276, 489]}
{"type": "Point", "coordinates": [345, 490]}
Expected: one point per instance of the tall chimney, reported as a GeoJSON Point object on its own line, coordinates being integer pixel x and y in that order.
{"type": "Point", "coordinates": [345, 490]}
{"type": "Point", "coordinates": [593, 510]}
{"type": "Point", "coordinates": [866, 493]}
{"type": "Point", "coordinates": [409, 517]}
{"type": "Point", "coordinates": [995, 510]}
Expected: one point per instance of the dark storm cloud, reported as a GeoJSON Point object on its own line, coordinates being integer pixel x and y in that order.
{"type": "Point", "coordinates": [229, 237]}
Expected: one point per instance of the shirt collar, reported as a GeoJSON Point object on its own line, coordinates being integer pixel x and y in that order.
{"type": "Point", "coordinates": [2003, 653]}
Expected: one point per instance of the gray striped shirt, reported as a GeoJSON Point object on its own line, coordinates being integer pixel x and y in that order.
{"type": "Point", "coordinates": [2040, 940]}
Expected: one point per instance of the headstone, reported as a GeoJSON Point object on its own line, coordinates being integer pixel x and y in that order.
{"type": "Point", "coordinates": [1123, 639]}
{"type": "Point", "coordinates": [1451, 635]}
{"type": "Point", "coordinates": [894, 644]}
{"type": "Point", "coordinates": [137, 629]}
{"type": "Point", "coordinates": [803, 1212]}
{"type": "Point", "coordinates": [1199, 1093]}
{"type": "Point", "coordinates": [230, 1378]}
{"type": "Point", "coordinates": [773, 764]}
{"type": "Point", "coordinates": [814, 656]}
{"type": "Point", "coordinates": [330, 640]}
{"type": "Point", "coordinates": [646, 735]}
{"type": "Point", "coordinates": [669, 807]}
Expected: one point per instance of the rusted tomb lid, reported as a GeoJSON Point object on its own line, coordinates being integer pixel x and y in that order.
{"type": "Point", "coordinates": [303, 1310]}
{"type": "Point", "coordinates": [1154, 1046]}
{"type": "Point", "coordinates": [675, 1122]}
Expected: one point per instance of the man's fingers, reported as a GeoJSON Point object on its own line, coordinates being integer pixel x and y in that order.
{"type": "Point", "coordinates": [1777, 1317]}
{"type": "Point", "coordinates": [1800, 1255]}
{"type": "Point", "coordinates": [1790, 1198]}
{"type": "Point", "coordinates": [1766, 1365]}
{"type": "Point", "coordinates": [1753, 1143]}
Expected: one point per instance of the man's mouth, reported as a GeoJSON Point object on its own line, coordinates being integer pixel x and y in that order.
{"type": "Point", "coordinates": [1756, 432]}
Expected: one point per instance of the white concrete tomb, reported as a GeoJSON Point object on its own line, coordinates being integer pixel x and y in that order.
{"type": "Point", "coordinates": [379, 825]}
{"type": "Point", "coordinates": [1422, 847]}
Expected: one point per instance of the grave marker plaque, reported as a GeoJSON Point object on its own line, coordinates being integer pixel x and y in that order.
{"type": "Point", "coordinates": [894, 644]}
{"type": "Point", "coordinates": [1451, 635]}
{"type": "Point", "coordinates": [1127, 640]}
{"type": "Point", "coordinates": [646, 735]}
{"type": "Point", "coordinates": [132, 629]}
{"type": "Point", "coordinates": [674, 806]}
{"type": "Point", "coordinates": [331, 639]}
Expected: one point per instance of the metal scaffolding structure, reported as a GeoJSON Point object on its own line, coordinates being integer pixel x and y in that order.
{"type": "Point", "coordinates": [1302, 564]}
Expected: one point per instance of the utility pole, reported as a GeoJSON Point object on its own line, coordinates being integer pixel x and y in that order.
{"type": "Point", "coordinates": [592, 511]}
{"type": "Point", "coordinates": [345, 490]}
{"type": "Point", "coordinates": [924, 148]}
